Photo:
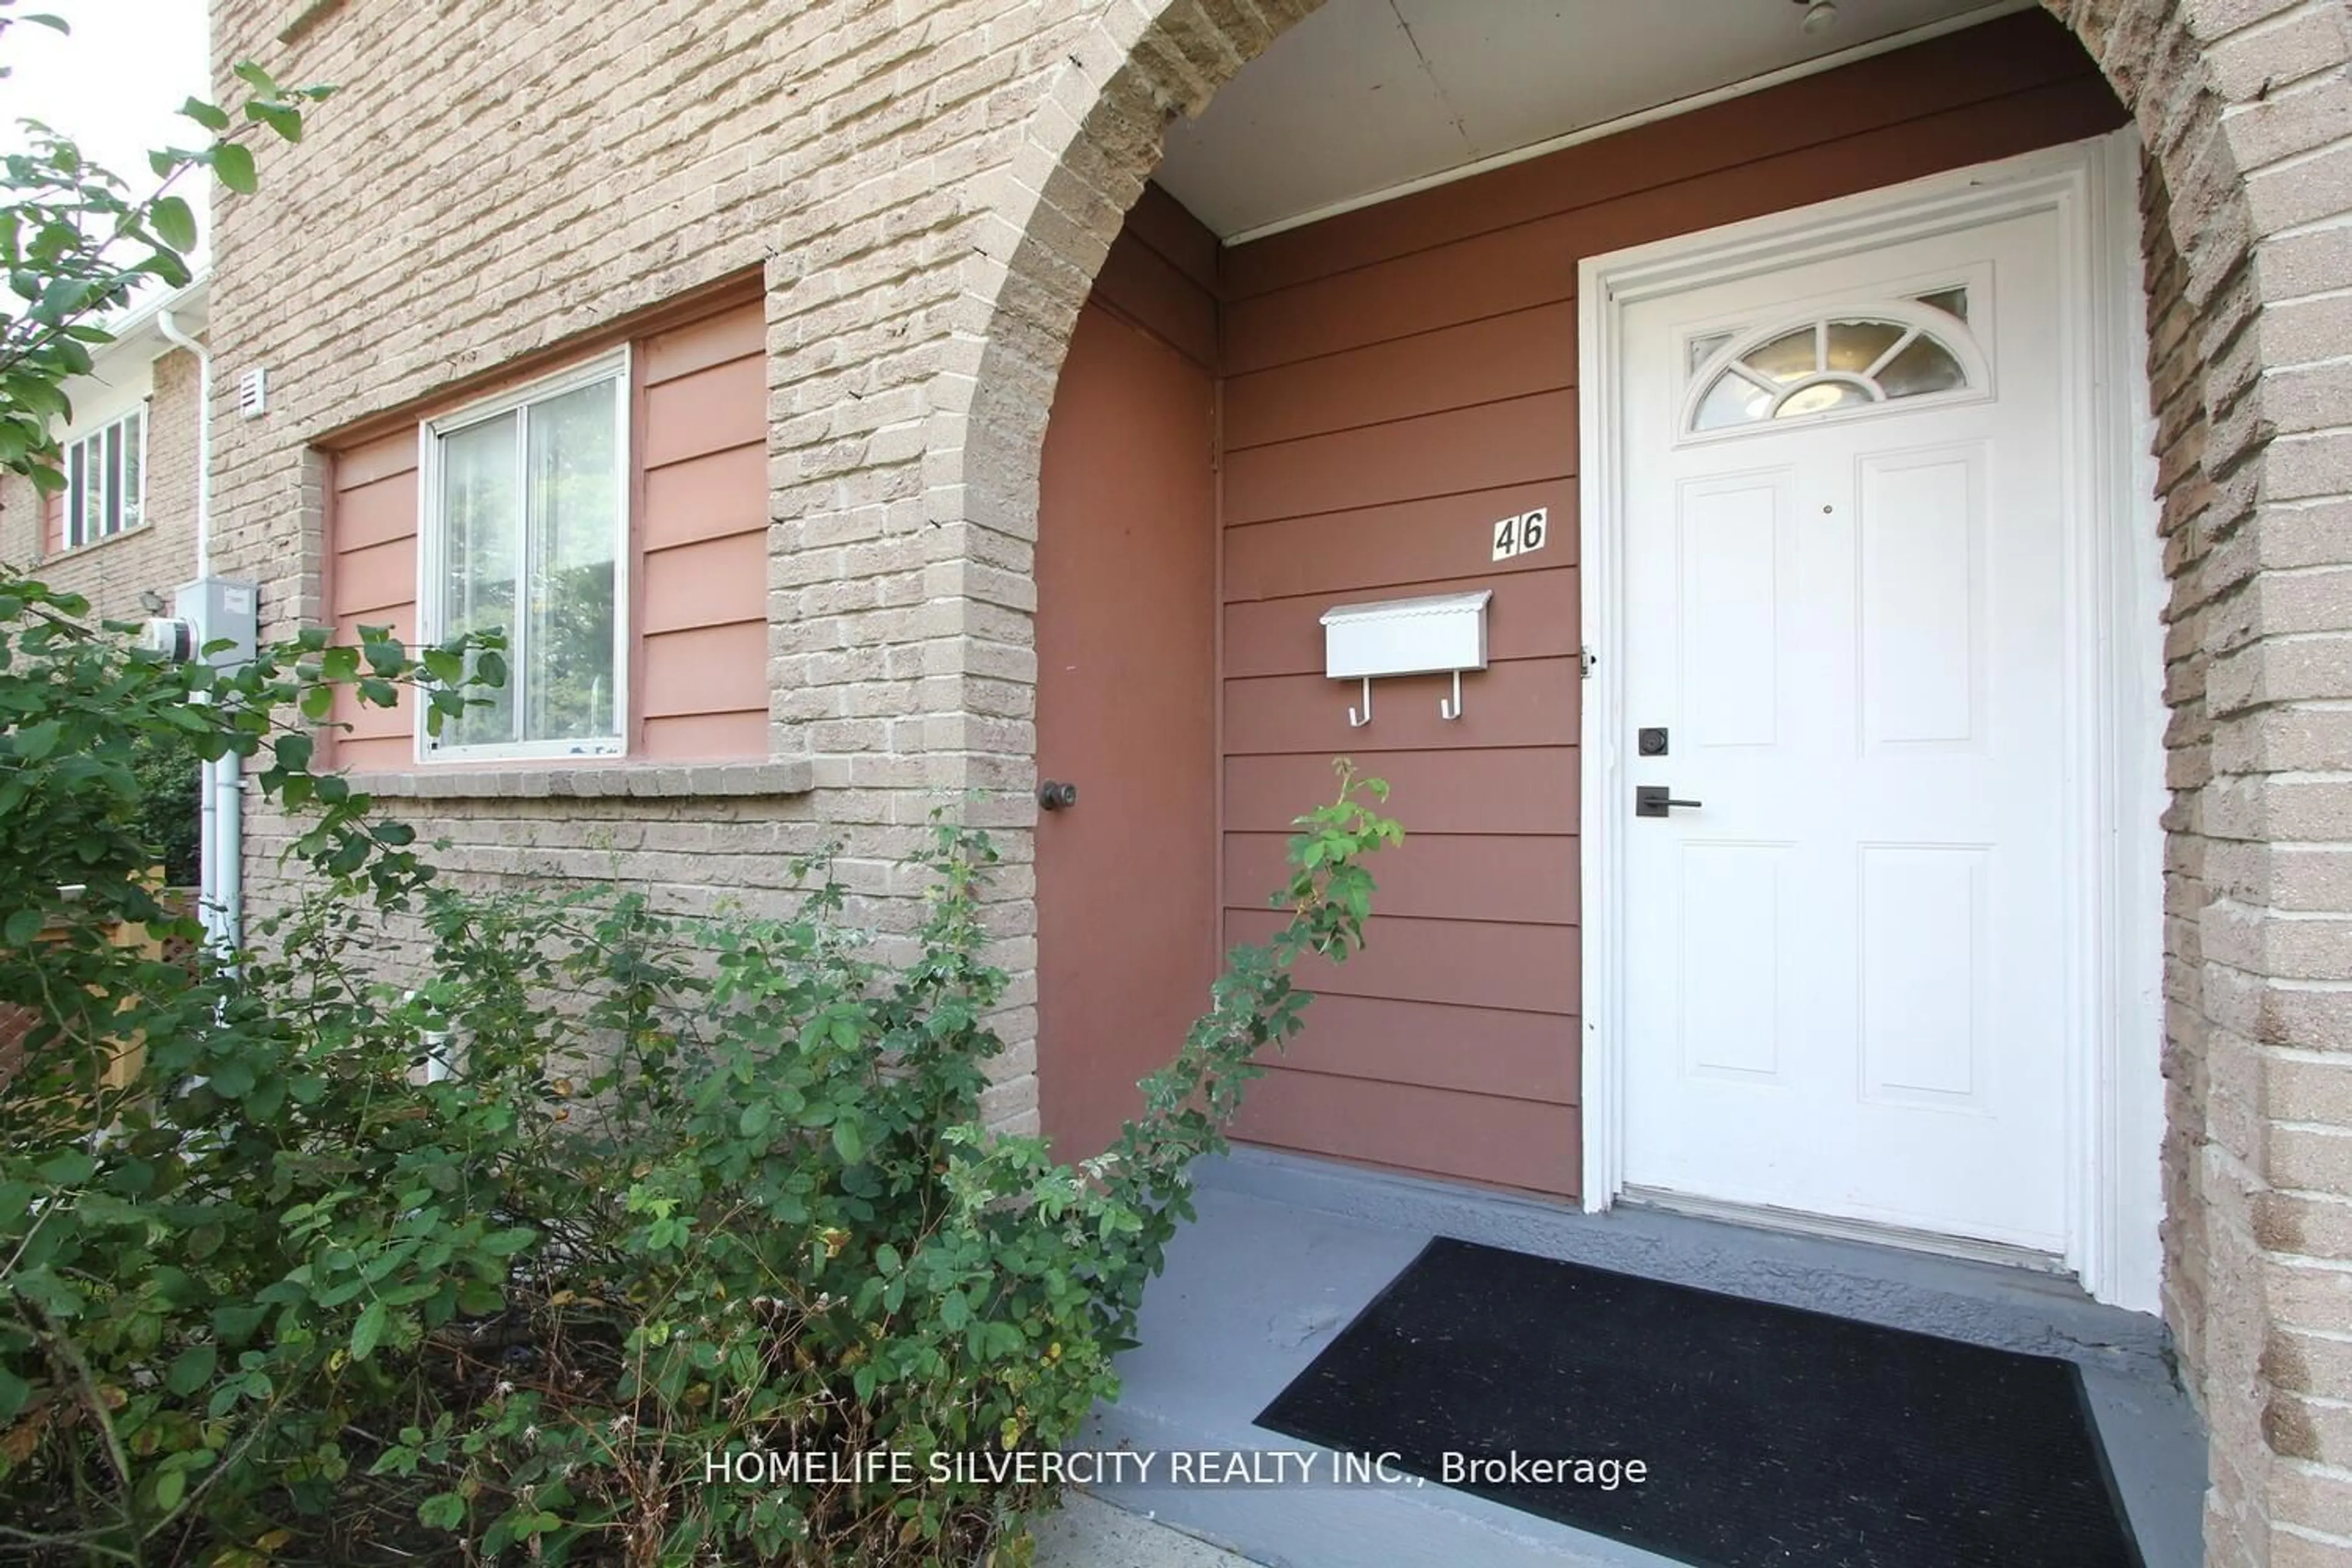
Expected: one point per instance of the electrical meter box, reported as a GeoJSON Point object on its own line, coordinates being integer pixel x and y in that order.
{"type": "Point", "coordinates": [218, 609]}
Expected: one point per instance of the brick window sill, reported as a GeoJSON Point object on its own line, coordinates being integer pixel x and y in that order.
{"type": "Point", "coordinates": [604, 781]}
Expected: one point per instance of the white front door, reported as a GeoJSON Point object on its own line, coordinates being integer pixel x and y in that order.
{"type": "Point", "coordinates": [1843, 576]}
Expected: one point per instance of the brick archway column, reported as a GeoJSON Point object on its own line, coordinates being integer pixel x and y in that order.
{"type": "Point", "coordinates": [2244, 106]}
{"type": "Point", "coordinates": [2246, 110]}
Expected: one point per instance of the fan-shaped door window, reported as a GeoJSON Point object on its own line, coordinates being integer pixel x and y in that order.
{"type": "Point", "coordinates": [1839, 361]}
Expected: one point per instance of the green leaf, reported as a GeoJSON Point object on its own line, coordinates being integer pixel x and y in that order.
{"type": "Point", "coordinates": [232, 1079]}
{"type": "Point", "coordinates": [14, 1392]}
{"type": "Point", "coordinates": [507, 1243]}
{"type": "Point", "coordinates": [192, 1369]}
{"type": "Point", "coordinates": [175, 223]}
{"type": "Point", "coordinates": [442, 1510]}
{"type": "Point", "coordinates": [167, 265]}
{"type": "Point", "coordinates": [755, 1118]}
{"type": "Point", "coordinates": [400, 1457]}
{"type": "Point", "coordinates": [212, 117]}
{"type": "Point", "coordinates": [64, 297]}
{"type": "Point", "coordinates": [267, 1099]}
{"type": "Point", "coordinates": [284, 119]}
{"type": "Point", "coordinates": [35, 742]}
{"type": "Point", "coordinates": [369, 1330]}
{"type": "Point", "coordinates": [23, 927]}
{"type": "Point", "coordinates": [169, 1488]}
{"type": "Point", "coordinates": [68, 1168]}
{"type": "Point", "coordinates": [293, 752]}
{"type": "Point", "coordinates": [234, 163]}
{"type": "Point", "coordinates": [236, 1324]}
{"type": "Point", "coordinates": [41, 397]}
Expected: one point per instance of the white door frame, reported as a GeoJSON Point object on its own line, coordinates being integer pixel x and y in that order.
{"type": "Point", "coordinates": [2111, 836]}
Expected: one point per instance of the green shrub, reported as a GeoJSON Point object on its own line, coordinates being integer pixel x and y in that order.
{"type": "Point", "coordinates": [689, 1189]}
{"type": "Point", "coordinates": [168, 802]}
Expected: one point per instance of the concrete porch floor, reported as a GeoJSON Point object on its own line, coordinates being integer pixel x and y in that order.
{"type": "Point", "coordinates": [1287, 1251]}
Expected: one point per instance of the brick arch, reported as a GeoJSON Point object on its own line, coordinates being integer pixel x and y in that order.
{"type": "Point", "coordinates": [2239, 105]}
{"type": "Point", "coordinates": [1054, 208]}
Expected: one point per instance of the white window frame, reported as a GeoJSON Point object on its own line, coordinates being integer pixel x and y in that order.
{"type": "Point", "coordinates": [1895, 299]}
{"type": "Point", "coordinates": [1949, 333]}
{"type": "Point", "coordinates": [433, 539]}
{"type": "Point", "coordinates": [71, 536]}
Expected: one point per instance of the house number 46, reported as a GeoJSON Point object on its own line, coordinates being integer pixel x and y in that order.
{"type": "Point", "coordinates": [1518, 535]}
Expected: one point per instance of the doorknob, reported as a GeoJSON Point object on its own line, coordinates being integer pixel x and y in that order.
{"type": "Point", "coordinates": [1653, 800]}
{"type": "Point", "coordinates": [1053, 796]}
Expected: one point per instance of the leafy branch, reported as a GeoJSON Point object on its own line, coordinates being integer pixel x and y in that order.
{"type": "Point", "coordinates": [76, 243]}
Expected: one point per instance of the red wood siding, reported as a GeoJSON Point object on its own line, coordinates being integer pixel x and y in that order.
{"type": "Point", "coordinates": [698, 563]}
{"type": "Point", "coordinates": [1397, 379]}
{"type": "Point", "coordinates": [703, 539]}
{"type": "Point", "coordinates": [372, 581]}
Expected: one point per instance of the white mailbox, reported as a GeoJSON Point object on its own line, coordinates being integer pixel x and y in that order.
{"type": "Point", "coordinates": [1441, 634]}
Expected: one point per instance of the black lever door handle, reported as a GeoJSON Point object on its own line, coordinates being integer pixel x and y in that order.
{"type": "Point", "coordinates": [1656, 800]}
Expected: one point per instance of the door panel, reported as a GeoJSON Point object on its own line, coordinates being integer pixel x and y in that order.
{"type": "Point", "coordinates": [1126, 917]}
{"type": "Point", "coordinates": [1844, 981]}
{"type": "Point", "coordinates": [1921, 526]}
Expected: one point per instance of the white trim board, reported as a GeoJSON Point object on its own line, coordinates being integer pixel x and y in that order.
{"type": "Point", "coordinates": [2115, 714]}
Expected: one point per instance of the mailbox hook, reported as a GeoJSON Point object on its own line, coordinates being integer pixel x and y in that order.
{"type": "Point", "coordinates": [1367, 718]}
{"type": "Point", "coordinates": [1452, 709]}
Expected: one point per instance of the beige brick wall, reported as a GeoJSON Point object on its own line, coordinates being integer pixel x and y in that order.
{"type": "Point", "coordinates": [157, 557]}
{"type": "Point", "coordinates": [2244, 103]}
{"type": "Point", "coordinates": [930, 188]}
{"type": "Point", "coordinates": [542, 178]}
{"type": "Point", "coordinates": [2176, 394]}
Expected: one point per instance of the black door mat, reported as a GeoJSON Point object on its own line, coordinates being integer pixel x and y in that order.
{"type": "Point", "coordinates": [1770, 1437]}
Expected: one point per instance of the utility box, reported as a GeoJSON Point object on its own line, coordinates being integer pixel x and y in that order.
{"type": "Point", "coordinates": [217, 609]}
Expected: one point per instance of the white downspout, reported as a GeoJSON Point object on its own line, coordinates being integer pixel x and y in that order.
{"type": "Point", "coordinates": [221, 832]}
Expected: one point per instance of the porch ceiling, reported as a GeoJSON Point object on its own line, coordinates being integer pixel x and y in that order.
{"type": "Point", "coordinates": [1367, 96]}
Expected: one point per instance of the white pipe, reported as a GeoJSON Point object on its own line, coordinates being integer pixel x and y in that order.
{"type": "Point", "coordinates": [167, 327]}
{"type": "Point", "coordinates": [220, 895]}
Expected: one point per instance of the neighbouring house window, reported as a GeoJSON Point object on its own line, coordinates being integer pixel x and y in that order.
{"type": "Point", "coordinates": [525, 508]}
{"type": "Point", "coordinates": [105, 480]}
{"type": "Point", "coordinates": [1833, 363]}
